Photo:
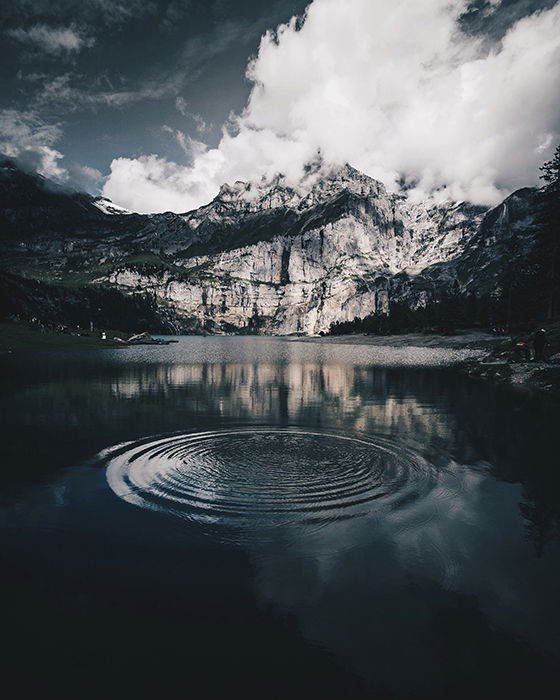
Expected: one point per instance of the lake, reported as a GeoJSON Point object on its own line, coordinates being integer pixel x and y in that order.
{"type": "Point", "coordinates": [228, 517]}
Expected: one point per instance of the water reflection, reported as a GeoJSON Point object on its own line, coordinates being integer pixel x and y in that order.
{"type": "Point", "coordinates": [439, 555]}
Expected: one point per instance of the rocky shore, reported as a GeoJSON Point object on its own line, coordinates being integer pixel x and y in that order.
{"type": "Point", "coordinates": [540, 376]}
{"type": "Point", "coordinates": [492, 356]}
{"type": "Point", "coordinates": [501, 366]}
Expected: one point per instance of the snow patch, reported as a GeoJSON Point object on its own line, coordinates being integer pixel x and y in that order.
{"type": "Point", "coordinates": [107, 207]}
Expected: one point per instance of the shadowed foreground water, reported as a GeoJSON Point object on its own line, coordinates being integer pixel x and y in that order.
{"type": "Point", "coordinates": [226, 517]}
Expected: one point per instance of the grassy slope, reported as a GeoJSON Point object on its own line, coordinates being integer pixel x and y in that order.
{"type": "Point", "coordinates": [16, 337]}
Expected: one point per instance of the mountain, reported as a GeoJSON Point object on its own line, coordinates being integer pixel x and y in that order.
{"type": "Point", "coordinates": [265, 257]}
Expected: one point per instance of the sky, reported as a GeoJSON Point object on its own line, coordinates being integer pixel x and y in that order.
{"type": "Point", "coordinates": [156, 103]}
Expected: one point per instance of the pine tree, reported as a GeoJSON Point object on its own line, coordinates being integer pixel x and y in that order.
{"type": "Point", "coordinates": [548, 243]}
{"type": "Point", "coordinates": [551, 173]}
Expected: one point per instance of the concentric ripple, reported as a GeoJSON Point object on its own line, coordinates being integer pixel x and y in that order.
{"type": "Point", "coordinates": [259, 478]}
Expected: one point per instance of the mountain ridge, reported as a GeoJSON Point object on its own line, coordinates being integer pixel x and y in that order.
{"type": "Point", "coordinates": [265, 257]}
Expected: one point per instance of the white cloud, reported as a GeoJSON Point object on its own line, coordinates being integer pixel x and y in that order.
{"type": "Point", "coordinates": [44, 160]}
{"type": "Point", "coordinates": [193, 149]}
{"type": "Point", "coordinates": [53, 40]}
{"type": "Point", "coordinates": [150, 183]}
{"type": "Point", "coordinates": [201, 126]}
{"type": "Point", "coordinates": [395, 90]}
{"type": "Point", "coordinates": [182, 106]}
{"type": "Point", "coordinates": [83, 177]}
{"type": "Point", "coordinates": [29, 139]}
{"type": "Point", "coordinates": [24, 135]}
{"type": "Point", "coordinates": [67, 91]}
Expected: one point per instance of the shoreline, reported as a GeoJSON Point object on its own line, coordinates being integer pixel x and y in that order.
{"type": "Point", "coordinates": [493, 363]}
{"type": "Point", "coordinates": [542, 377]}
{"type": "Point", "coordinates": [490, 359]}
{"type": "Point", "coordinates": [469, 340]}
{"type": "Point", "coordinates": [20, 337]}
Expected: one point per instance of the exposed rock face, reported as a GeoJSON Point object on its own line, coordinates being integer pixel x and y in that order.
{"type": "Point", "coordinates": [272, 259]}
{"type": "Point", "coordinates": [346, 239]}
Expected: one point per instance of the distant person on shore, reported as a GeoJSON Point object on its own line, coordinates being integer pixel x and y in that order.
{"type": "Point", "coordinates": [539, 345]}
{"type": "Point", "coordinates": [522, 352]}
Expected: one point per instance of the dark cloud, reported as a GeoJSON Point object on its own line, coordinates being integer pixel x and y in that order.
{"type": "Point", "coordinates": [494, 18]}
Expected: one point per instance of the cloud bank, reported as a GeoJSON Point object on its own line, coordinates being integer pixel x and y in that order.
{"type": "Point", "coordinates": [394, 89]}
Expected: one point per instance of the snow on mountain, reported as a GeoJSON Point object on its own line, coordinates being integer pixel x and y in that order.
{"type": "Point", "coordinates": [109, 208]}
{"type": "Point", "coordinates": [269, 257]}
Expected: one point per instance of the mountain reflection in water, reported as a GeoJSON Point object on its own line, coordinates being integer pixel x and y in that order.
{"type": "Point", "coordinates": [294, 518]}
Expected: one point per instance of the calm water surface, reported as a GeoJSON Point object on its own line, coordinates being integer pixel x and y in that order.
{"type": "Point", "coordinates": [225, 517]}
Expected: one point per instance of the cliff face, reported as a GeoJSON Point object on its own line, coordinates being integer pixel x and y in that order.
{"type": "Point", "coordinates": [267, 258]}
{"type": "Point", "coordinates": [326, 255]}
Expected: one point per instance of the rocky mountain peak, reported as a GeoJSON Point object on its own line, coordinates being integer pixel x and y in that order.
{"type": "Point", "coordinates": [315, 188]}
{"type": "Point", "coordinates": [258, 195]}
{"type": "Point", "coordinates": [266, 256]}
